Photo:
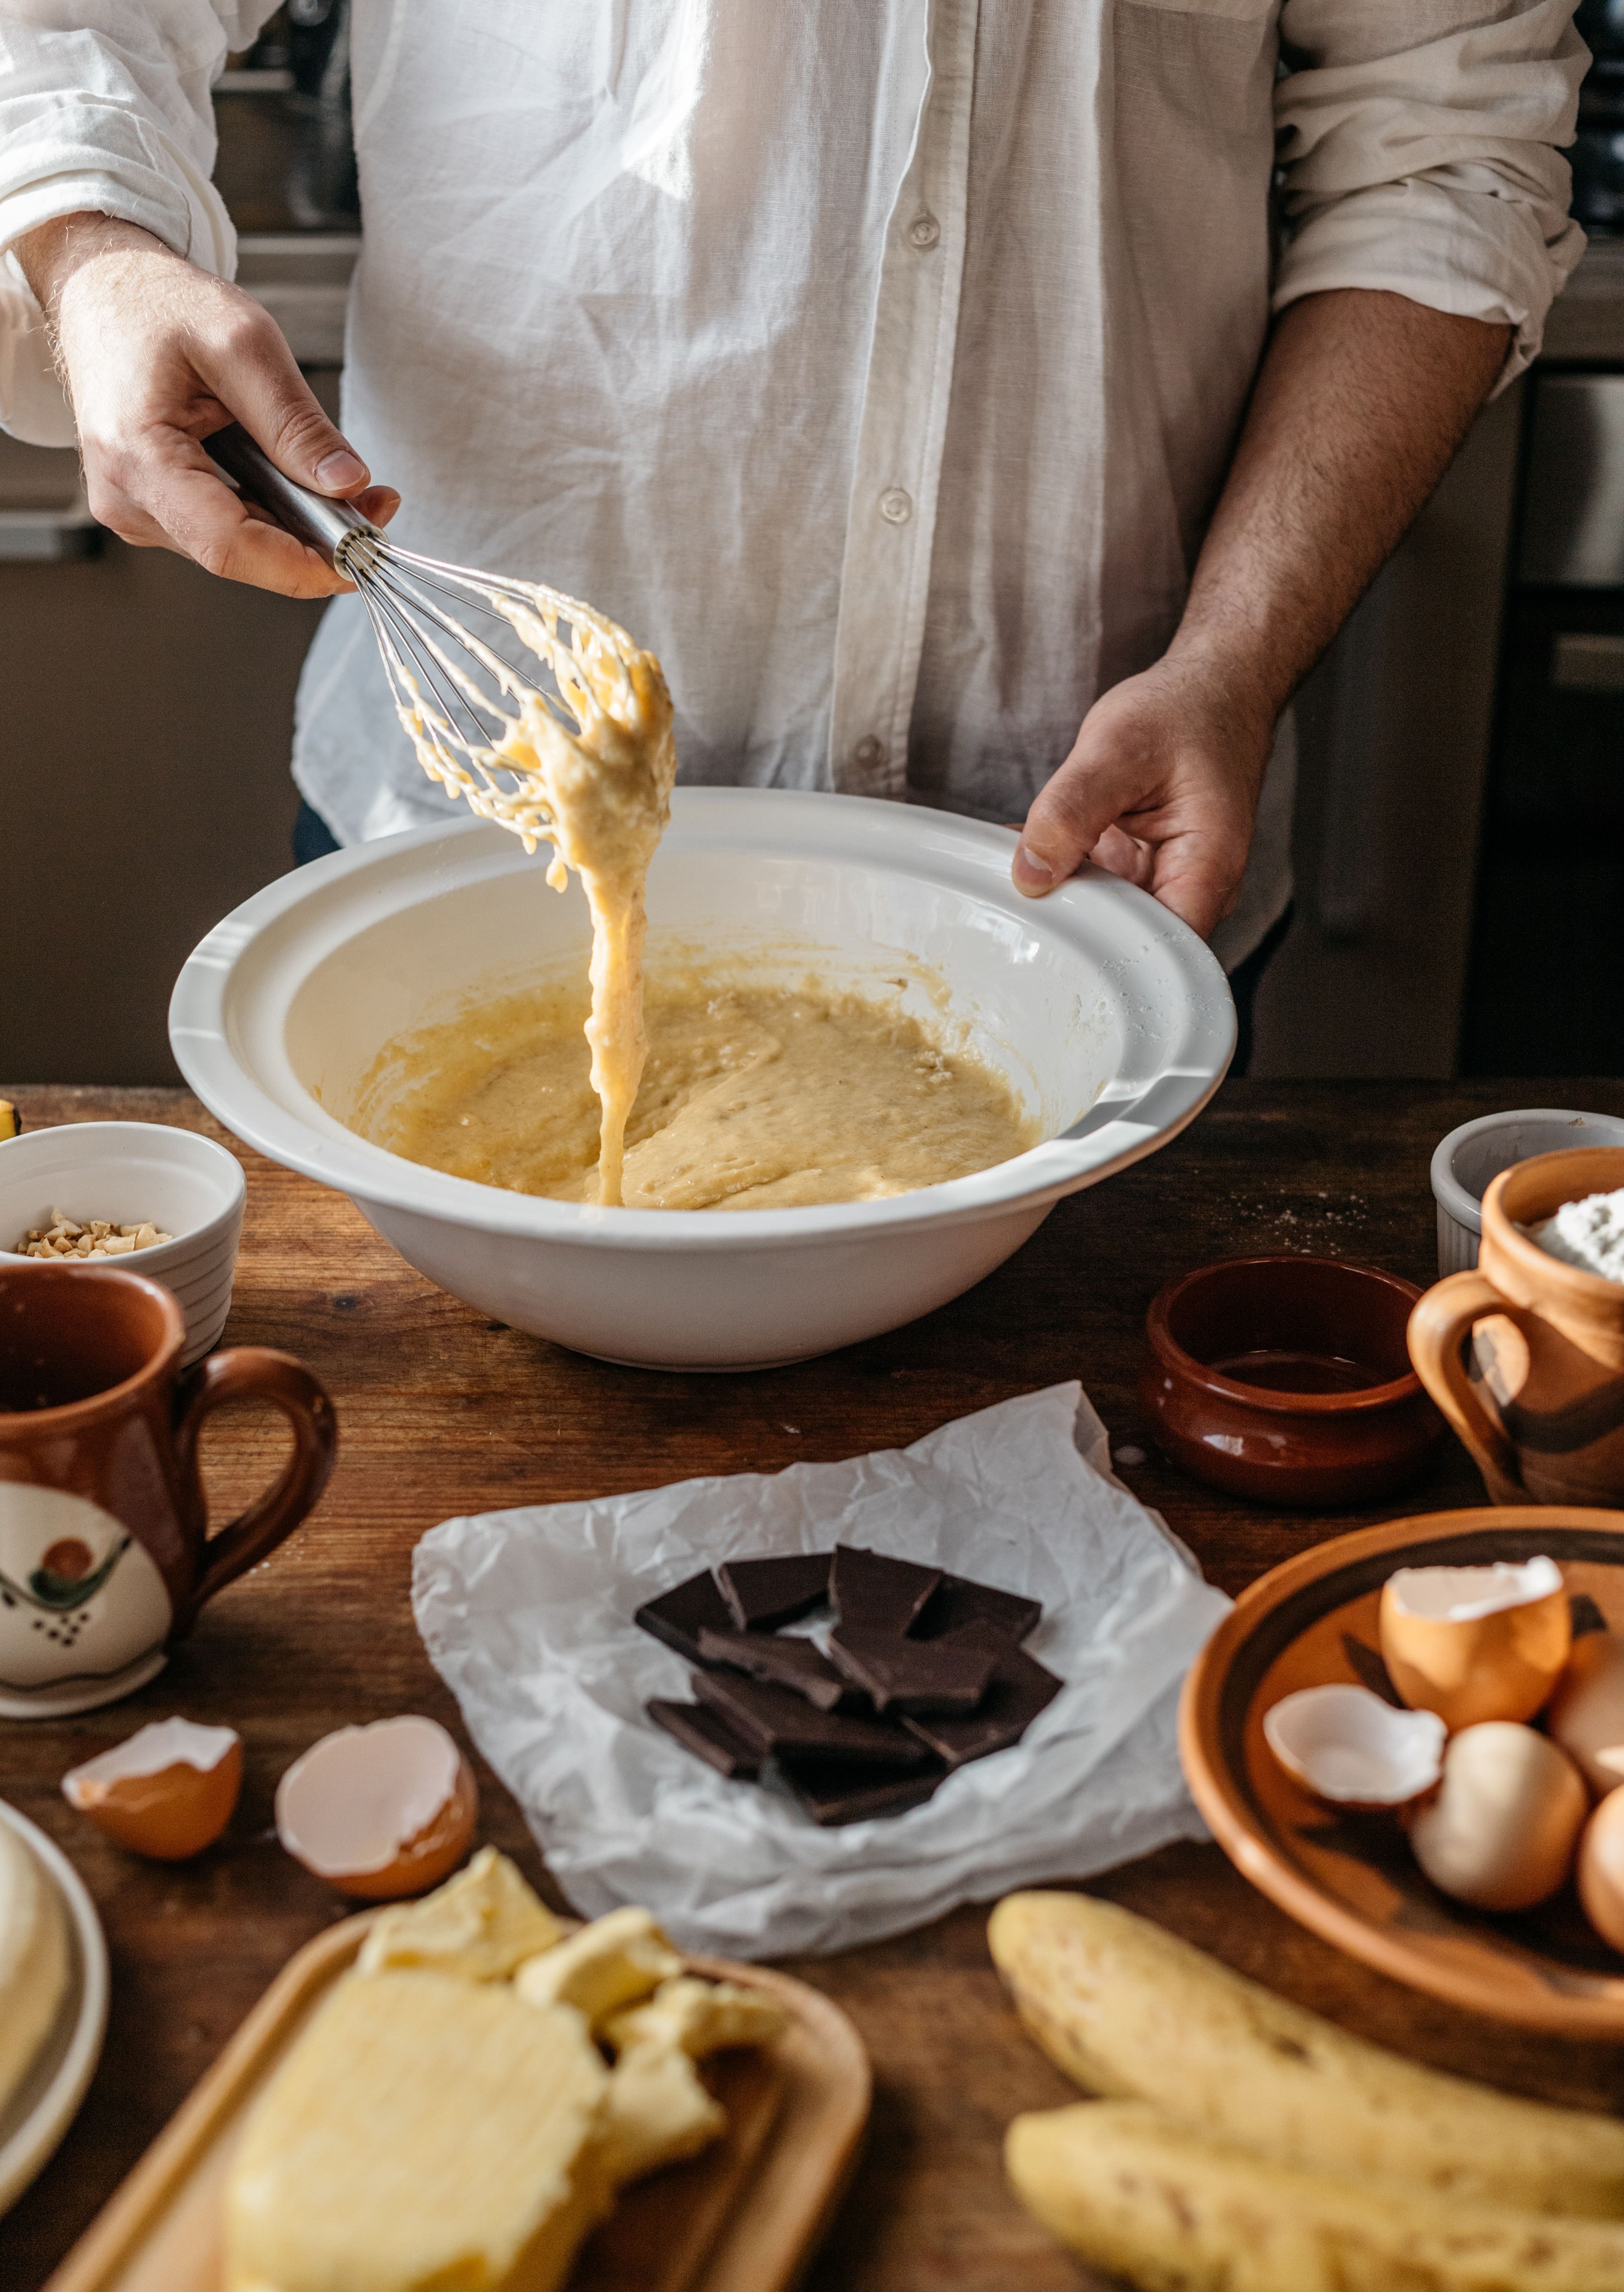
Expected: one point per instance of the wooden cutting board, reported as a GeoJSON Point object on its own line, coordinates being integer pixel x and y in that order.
{"type": "Point", "coordinates": [746, 2217]}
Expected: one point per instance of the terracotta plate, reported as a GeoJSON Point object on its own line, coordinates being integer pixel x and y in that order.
{"type": "Point", "coordinates": [1351, 1877]}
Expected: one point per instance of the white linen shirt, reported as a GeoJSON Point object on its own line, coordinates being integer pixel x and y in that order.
{"type": "Point", "coordinates": [875, 363]}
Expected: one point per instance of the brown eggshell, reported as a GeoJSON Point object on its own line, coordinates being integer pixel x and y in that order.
{"type": "Point", "coordinates": [1501, 1665]}
{"type": "Point", "coordinates": [424, 1861]}
{"type": "Point", "coordinates": [1586, 1712]}
{"type": "Point", "coordinates": [169, 1814]}
{"type": "Point", "coordinates": [379, 1811]}
{"type": "Point", "coordinates": [1601, 1870]}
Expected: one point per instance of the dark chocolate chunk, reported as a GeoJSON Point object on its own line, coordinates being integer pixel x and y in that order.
{"type": "Point", "coordinates": [1020, 1688]}
{"type": "Point", "coordinates": [836, 1795]}
{"type": "Point", "coordinates": [873, 1593]}
{"type": "Point", "coordinates": [764, 1594]}
{"type": "Point", "coordinates": [772, 1719]}
{"type": "Point", "coordinates": [708, 1737]}
{"type": "Point", "coordinates": [957, 1601]}
{"type": "Point", "coordinates": [794, 1663]}
{"type": "Point", "coordinates": [918, 1675]}
{"type": "Point", "coordinates": [679, 1615]}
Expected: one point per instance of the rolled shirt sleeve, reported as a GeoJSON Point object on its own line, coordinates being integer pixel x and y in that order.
{"type": "Point", "coordinates": [1418, 144]}
{"type": "Point", "coordinates": [104, 105]}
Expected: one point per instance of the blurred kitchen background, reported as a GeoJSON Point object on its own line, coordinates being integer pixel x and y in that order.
{"type": "Point", "coordinates": [1460, 828]}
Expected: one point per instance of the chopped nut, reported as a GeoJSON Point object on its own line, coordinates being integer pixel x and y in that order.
{"type": "Point", "coordinates": [67, 1236]}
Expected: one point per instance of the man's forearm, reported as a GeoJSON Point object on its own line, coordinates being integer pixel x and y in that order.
{"type": "Point", "coordinates": [1360, 400]}
{"type": "Point", "coordinates": [1359, 406]}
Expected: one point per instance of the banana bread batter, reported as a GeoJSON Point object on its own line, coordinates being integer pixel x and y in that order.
{"type": "Point", "coordinates": [591, 769]}
{"type": "Point", "coordinates": [752, 1098]}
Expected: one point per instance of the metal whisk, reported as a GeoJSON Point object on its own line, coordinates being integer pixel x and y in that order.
{"type": "Point", "coordinates": [441, 672]}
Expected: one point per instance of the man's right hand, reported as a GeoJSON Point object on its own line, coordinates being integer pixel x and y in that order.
{"type": "Point", "coordinates": [157, 356]}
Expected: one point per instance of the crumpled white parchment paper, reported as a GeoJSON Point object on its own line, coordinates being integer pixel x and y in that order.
{"type": "Point", "coordinates": [527, 1617]}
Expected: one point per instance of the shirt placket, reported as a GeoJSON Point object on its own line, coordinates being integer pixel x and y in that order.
{"type": "Point", "coordinates": [885, 574]}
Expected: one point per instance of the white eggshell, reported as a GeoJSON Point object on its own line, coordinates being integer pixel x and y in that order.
{"type": "Point", "coordinates": [1348, 1747]}
{"type": "Point", "coordinates": [1502, 1829]}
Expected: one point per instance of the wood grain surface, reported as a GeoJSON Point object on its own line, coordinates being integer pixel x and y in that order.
{"type": "Point", "coordinates": [442, 1412]}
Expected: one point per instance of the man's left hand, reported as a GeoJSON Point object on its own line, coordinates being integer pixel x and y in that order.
{"type": "Point", "coordinates": [1362, 398]}
{"type": "Point", "coordinates": [1160, 786]}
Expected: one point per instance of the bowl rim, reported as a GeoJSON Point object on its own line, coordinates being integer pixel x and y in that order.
{"type": "Point", "coordinates": [1365, 1400]}
{"type": "Point", "coordinates": [162, 1257]}
{"type": "Point", "coordinates": [1452, 1196]}
{"type": "Point", "coordinates": [1117, 1130]}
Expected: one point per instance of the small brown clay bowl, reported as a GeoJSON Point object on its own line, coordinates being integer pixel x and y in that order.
{"type": "Point", "coordinates": [1288, 1379]}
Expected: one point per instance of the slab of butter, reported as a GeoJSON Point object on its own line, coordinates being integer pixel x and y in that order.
{"type": "Point", "coordinates": [699, 2017]}
{"type": "Point", "coordinates": [425, 2133]}
{"type": "Point", "coordinates": [659, 2112]}
{"type": "Point", "coordinates": [33, 1960]}
{"type": "Point", "coordinates": [482, 1924]}
{"type": "Point", "coordinates": [612, 1963]}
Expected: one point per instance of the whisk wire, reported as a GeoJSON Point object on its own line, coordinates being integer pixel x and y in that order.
{"type": "Point", "coordinates": [451, 716]}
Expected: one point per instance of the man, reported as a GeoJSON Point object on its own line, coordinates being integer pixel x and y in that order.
{"type": "Point", "coordinates": [900, 371]}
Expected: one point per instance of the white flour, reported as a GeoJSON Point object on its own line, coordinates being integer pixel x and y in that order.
{"type": "Point", "coordinates": [1588, 1233]}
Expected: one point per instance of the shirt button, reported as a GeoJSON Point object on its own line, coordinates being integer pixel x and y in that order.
{"type": "Point", "coordinates": [896, 507]}
{"type": "Point", "coordinates": [924, 231]}
{"type": "Point", "coordinates": [869, 752]}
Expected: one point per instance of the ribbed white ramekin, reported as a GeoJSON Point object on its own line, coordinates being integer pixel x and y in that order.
{"type": "Point", "coordinates": [1466, 1161]}
{"type": "Point", "coordinates": [126, 1172]}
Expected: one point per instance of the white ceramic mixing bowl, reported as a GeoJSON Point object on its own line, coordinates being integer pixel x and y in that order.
{"type": "Point", "coordinates": [1111, 1021]}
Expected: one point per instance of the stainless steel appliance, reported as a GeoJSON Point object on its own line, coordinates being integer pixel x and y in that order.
{"type": "Point", "coordinates": [1545, 989]}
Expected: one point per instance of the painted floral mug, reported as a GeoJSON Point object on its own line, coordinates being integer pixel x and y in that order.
{"type": "Point", "coordinates": [105, 1554]}
{"type": "Point", "coordinates": [1541, 1405]}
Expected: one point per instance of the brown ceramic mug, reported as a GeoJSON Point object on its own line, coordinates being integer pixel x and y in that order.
{"type": "Point", "coordinates": [1541, 1407]}
{"type": "Point", "coordinates": [105, 1554]}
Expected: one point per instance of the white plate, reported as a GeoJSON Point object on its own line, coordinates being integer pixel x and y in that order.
{"type": "Point", "coordinates": [44, 2105]}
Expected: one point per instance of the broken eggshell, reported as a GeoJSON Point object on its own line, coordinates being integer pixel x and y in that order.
{"type": "Point", "coordinates": [167, 1791]}
{"type": "Point", "coordinates": [1586, 1712]}
{"type": "Point", "coordinates": [1348, 1747]}
{"type": "Point", "coordinates": [1477, 1643]}
{"type": "Point", "coordinates": [379, 1811]}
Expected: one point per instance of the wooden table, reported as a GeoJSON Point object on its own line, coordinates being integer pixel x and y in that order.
{"type": "Point", "coordinates": [444, 1412]}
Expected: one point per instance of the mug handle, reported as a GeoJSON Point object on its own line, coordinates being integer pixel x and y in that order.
{"type": "Point", "coordinates": [254, 1372]}
{"type": "Point", "coordinates": [1441, 1317]}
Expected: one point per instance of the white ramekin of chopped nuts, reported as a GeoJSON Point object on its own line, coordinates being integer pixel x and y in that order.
{"type": "Point", "coordinates": [169, 1201]}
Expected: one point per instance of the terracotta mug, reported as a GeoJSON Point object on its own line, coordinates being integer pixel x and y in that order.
{"type": "Point", "coordinates": [1541, 1406]}
{"type": "Point", "coordinates": [105, 1554]}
